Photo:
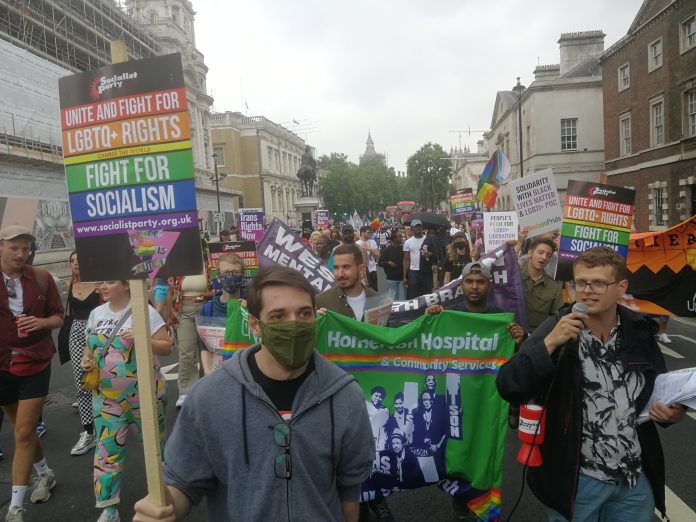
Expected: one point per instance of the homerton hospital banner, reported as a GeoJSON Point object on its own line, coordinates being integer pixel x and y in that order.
{"type": "Point", "coordinates": [662, 271]}
{"type": "Point", "coordinates": [129, 170]}
{"type": "Point", "coordinates": [430, 392]}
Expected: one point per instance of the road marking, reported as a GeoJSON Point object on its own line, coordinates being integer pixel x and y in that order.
{"type": "Point", "coordinates": [691, 414]}
{"type": "Point", "coordinates": [684, 337]}
{"type": "Point", "coordinates": [670, 352]}
{"type": "Point", "coordinates": [170, 376]}
{"type": "Point", "coordinates": [684, 320]}
{"type": "Point", "coordinates": [677, 509]}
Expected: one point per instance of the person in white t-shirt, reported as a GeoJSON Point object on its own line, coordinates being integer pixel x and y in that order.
{"type": "Point", "coordinates": [420, 255]}
{"type": "Point", "coordinates": [116, 401]}
{"type": "Point", "coordinates": [372, 250]}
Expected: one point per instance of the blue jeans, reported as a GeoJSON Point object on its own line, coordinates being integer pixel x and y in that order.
{"type": "Point", "coordinates": [599, 501]}
{"type": "Point", "coordinates": [398, 288]}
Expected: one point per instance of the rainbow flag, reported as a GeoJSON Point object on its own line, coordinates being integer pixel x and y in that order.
{"type": "Point", "coordinates": [496, 171]}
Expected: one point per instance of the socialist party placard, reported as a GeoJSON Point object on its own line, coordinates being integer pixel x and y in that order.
{"type": "Point", "coordinates": [594, 215]}
{"type": "Point", "coordinates": [462, 203]}
{"type": "Point", "coordinates": [129, 170]}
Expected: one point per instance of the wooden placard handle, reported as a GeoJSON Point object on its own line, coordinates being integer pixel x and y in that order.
{"type": "Point", "coordinates": [144, 359]}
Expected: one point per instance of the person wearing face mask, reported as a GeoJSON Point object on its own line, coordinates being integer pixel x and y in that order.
{"type": "Point", "coordinates": [458, 257]}
{"type": "Point", "coordinates": [291, 440]}
{"type": "Point", "coordinates": [230, 270]}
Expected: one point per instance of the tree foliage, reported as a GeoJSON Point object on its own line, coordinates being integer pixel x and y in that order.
{"type": "Point", "coordinates": [428, 174]}
{"type": "Point", "coordinates": [367, 188]}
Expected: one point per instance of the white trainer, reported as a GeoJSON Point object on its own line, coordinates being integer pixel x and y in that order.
{"type": "Point", "coordinates": [663, 337]}
{"type": "Point", "coordinates": [180, 400]}
{"type": "Point", "coordinates": [43, 484]}
{"type": "Point", "coordinates": [109, 516]}
{"type": "Point", "coordinates": [85, 443]}
{"type": "Point", "coordinates": [14, 514]}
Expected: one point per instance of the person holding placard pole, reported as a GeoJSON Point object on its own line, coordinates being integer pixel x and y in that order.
{"type": "Point", "coordinates": [116, 401]}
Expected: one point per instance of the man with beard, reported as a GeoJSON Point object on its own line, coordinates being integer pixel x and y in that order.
{"type": "Point", "coordinates": [350, 295]}
{"type": "Point", "coordinates": [542, 295]}
{"type": "Point", "coordinates": [476, 285]}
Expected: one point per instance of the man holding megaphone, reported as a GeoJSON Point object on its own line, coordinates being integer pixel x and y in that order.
{"type": "Point", "coordinates": [593, 368]}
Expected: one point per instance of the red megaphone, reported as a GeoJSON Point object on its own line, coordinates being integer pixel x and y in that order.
{"type": "Point", "coordinates": [531, 434]}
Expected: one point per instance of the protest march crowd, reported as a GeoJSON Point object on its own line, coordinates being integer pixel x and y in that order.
{"type": "Point", "coordinates": [302, 439]}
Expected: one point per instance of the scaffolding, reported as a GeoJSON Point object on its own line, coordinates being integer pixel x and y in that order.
{"type": "Point", "coordinates": [74, 34]}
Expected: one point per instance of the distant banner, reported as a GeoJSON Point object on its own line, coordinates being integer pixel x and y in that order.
{"type": "Point", "coordinates": [251, 224]}
{"type": "Point", "coordinates": [280, 245]}
{"type": "Point", "coordinates": [244, 249]}
{"type": "Point", "coordinates": [430, 393]}
{"type": "Point", "coordinates": [499, 228]}
{"type": "Point", "coordinates": [322, 218]}
{"type": "Point", "coordinates": [462, 203]}
{"type": "Point", "coordinates": [662, 271]}
{"type": "Point", "coordinates": [594, 215]}
{"type": "Point", "coordinates": [506, 292]}
{"type": "Point", "coordinates": [537, 203]}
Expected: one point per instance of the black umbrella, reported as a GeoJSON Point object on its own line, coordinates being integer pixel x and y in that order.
{"type": "Point", "coordinates": [430, 220]}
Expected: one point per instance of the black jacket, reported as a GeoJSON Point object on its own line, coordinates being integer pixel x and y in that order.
{"type": "Point", "coordinates": [393, 253]}
{"type": "Point", "coordinates": [556, 382]}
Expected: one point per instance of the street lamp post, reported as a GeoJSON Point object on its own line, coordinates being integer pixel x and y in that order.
{"type": "Point", "coordinates": [519, 89]}
{"type": "Point", "coordinates": [217, 192]}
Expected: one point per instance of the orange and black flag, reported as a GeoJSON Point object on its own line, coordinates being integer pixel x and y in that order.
{"type": "Point", "coordinates": [662, 271]}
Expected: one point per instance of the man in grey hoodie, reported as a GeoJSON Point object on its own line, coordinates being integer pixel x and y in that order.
{"type": "Point", "coordinates": [277, 433]}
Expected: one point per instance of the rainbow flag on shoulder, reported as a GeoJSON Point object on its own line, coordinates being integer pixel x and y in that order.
{"type": "Point", "coordinates": [497, 169]}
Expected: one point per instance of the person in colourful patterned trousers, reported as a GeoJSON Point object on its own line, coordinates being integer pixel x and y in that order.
{"type": "Point", "coordinates": [116, 401]}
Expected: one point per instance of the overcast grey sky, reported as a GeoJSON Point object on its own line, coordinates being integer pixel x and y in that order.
{"type": "Point", "coordinates": [408, 70]}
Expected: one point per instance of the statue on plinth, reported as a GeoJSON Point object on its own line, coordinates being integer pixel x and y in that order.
{"type": "Point", "coordinates": [307, 172]}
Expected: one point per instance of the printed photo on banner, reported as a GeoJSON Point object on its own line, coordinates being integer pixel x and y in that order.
{"type": "Point", "coordinates": [499, 228]}
{"type": "Point", "coordinates": [251, 223]}
{"type": "Point", "coordinates": [429, 389]}
{"type": "Point", "coordinates": [594, 214]}
{"type": "Point", "coordinates": [537, 203]}
{"type": "Point", "coordinates": [129, 170]}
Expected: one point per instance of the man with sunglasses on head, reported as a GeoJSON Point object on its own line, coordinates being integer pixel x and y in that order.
{"type": "Point", "coordinates": [30, 307]}
{"type": "Point", "coordinates": [594, 370]}
{"type": "Point", "coordinates": [278, 432]}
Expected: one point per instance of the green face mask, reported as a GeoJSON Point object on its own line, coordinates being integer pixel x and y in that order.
{"type": "Point", "coordinates": [290, 342]}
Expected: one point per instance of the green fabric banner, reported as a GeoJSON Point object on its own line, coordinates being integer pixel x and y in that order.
{"type": "Point", "coordinates": [430, 391]}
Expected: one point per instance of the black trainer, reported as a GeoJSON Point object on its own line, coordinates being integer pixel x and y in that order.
{"type": "Point", "coordinates": [381, 509]}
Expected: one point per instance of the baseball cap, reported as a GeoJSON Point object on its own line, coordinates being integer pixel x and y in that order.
{"type": "Point", "coordinates": [459, 235]}
{"type": "Point", "coordinates": [15, 231]}
{"type": "Point", "coordinates": [476, 268]}
{"type": "Point", "coordinates": [416, 222]}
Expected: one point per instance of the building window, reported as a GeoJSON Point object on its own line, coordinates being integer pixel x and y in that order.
{"type": "Point", "coordinates": [691, 112]}
{"type": "Point", "coordinates": [657, 134]}
{"type": "Point", "coordinates": [655, 55]}
{"type": "Point", "coordinates": [624, 77]}
{"type": "Point", "coordinates": [688, 34]}
{"type": "Point", "coordinates": [569, 134]}
{"type": "Point", "coordinates": [657, 206]}
{"type": "Point", "coordinates": [219, 154]}
{"type": "Point", "coordinates": [625, 134]}
{"type": "Point", "coordinates": [270, 158]}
